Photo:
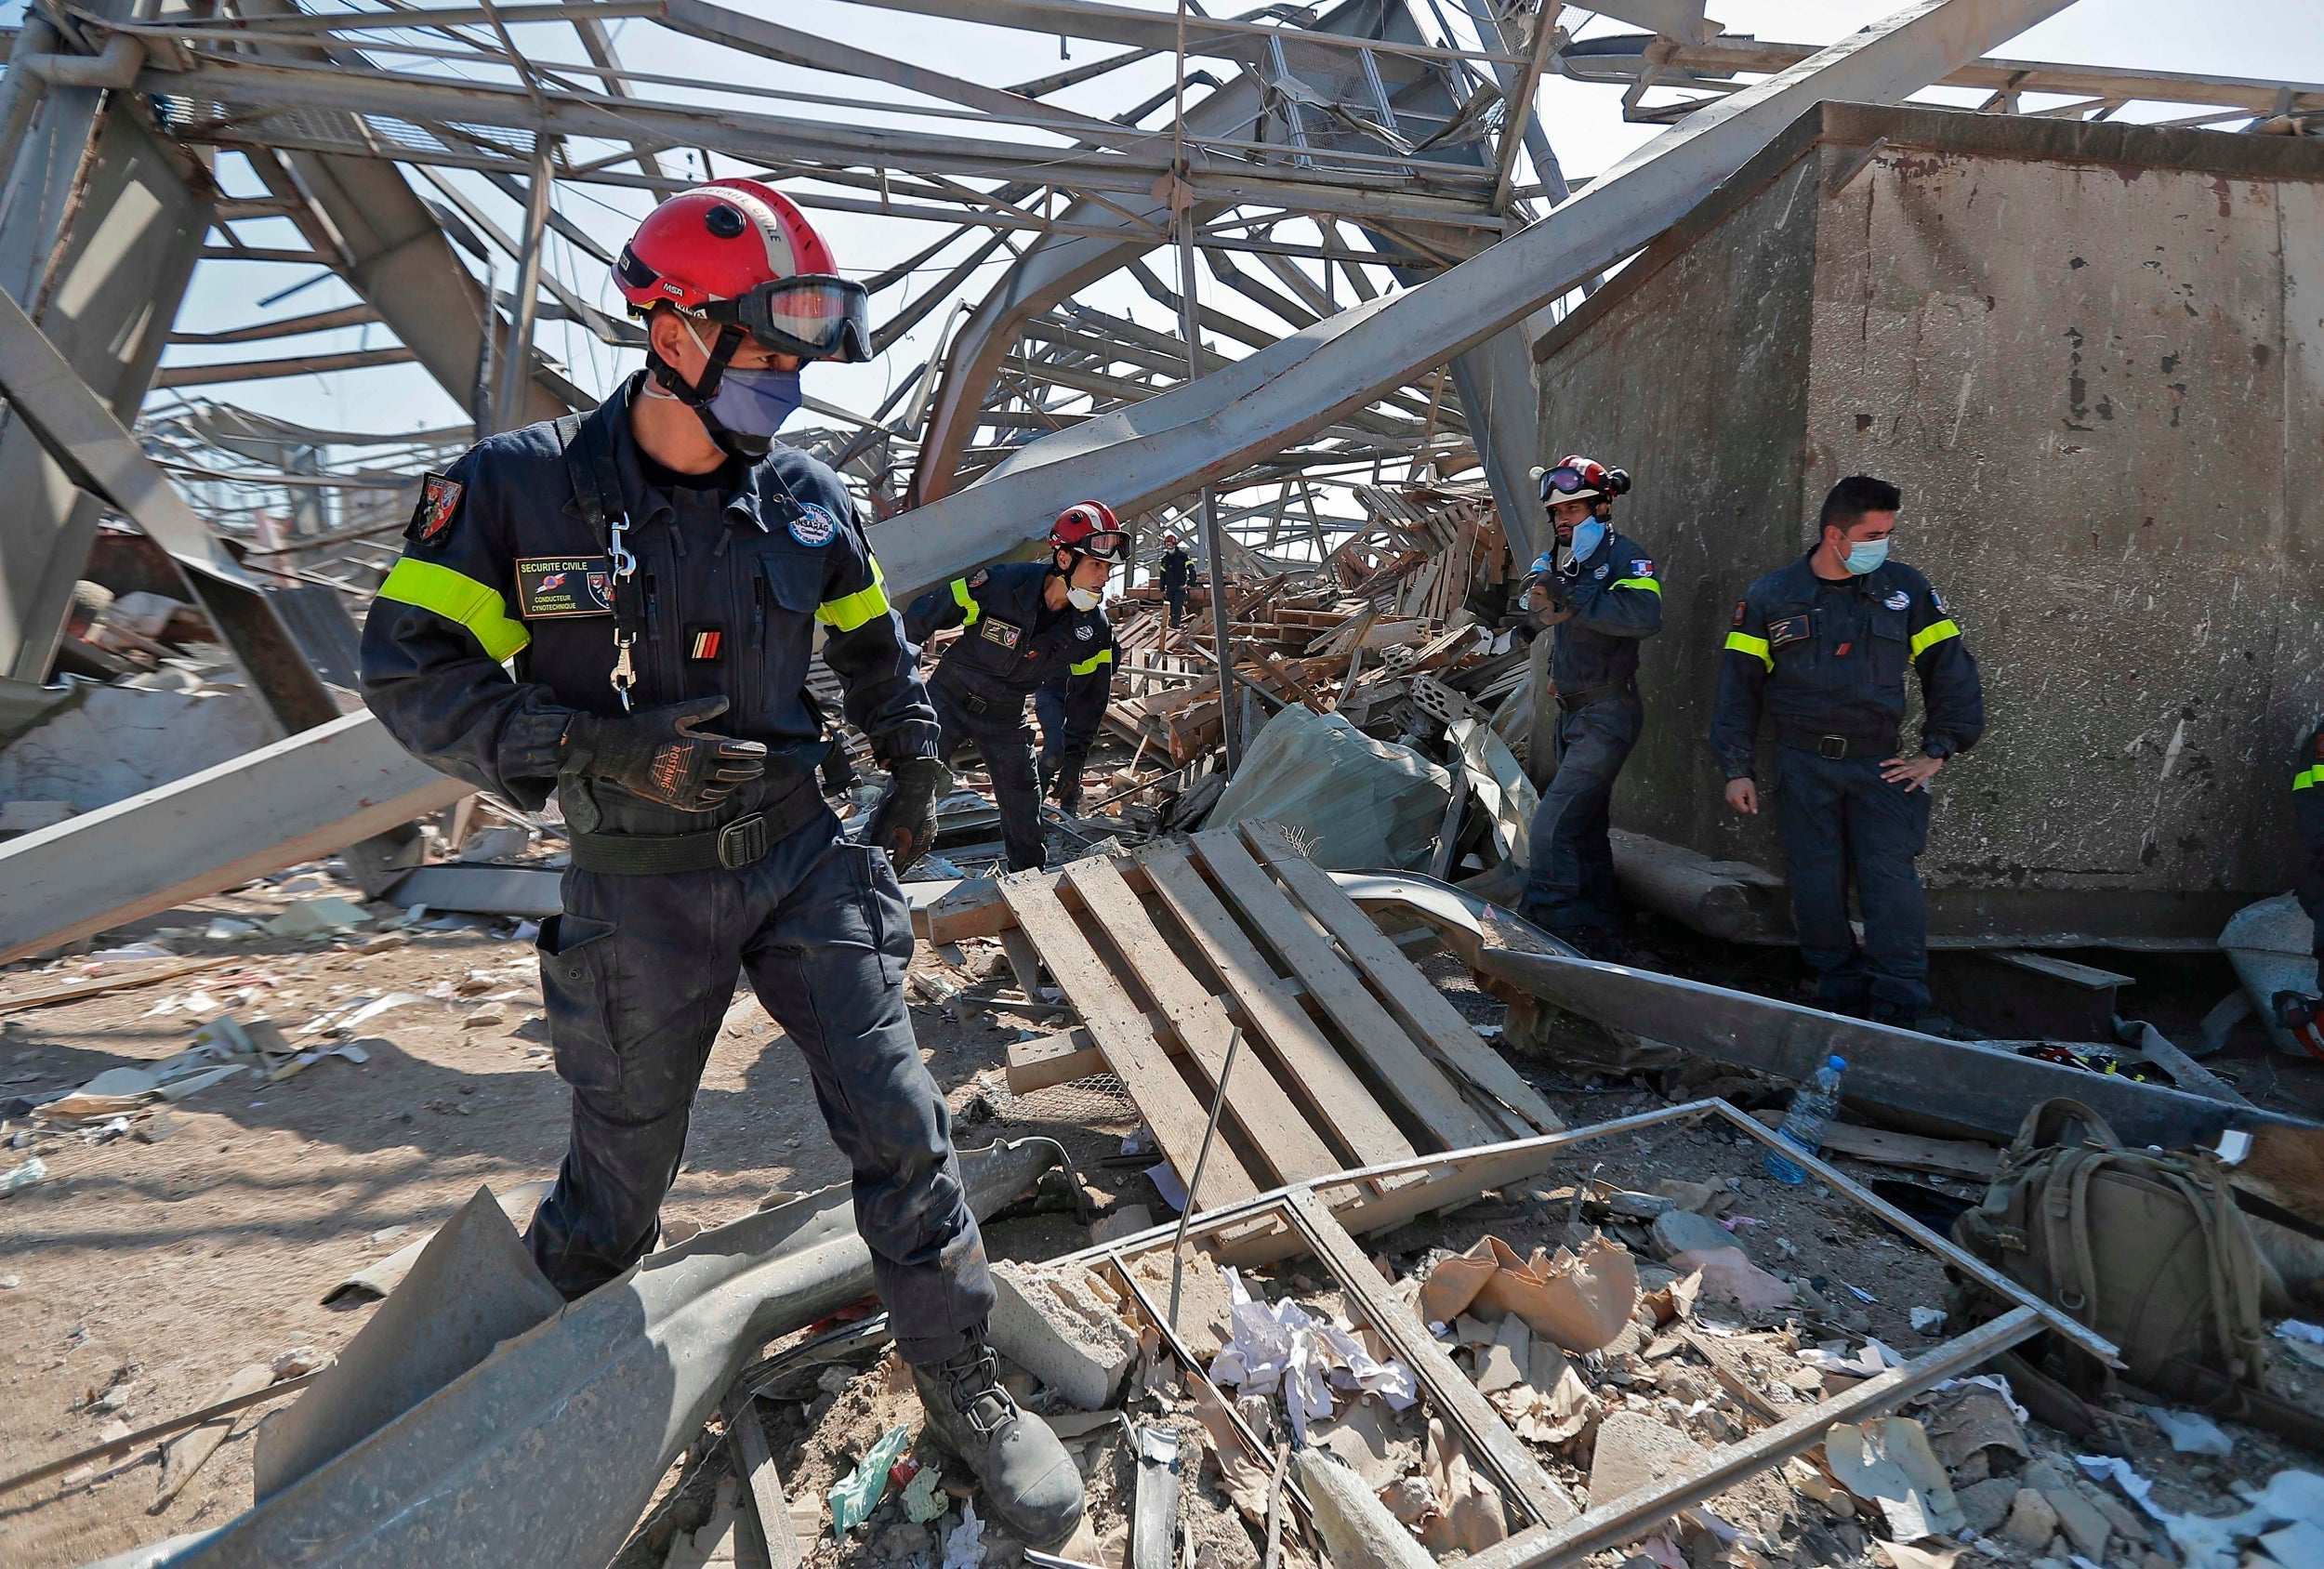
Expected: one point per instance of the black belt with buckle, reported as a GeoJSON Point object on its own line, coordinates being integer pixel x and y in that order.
{"type": "Point", "coordinates": [1832, 749]}
{"type": "Point", "coordinates": [741, 843]}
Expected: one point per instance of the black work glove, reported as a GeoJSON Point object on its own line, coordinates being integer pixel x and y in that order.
{"type": "Point", "coordinates": [657, 752]}
{"type": "Point", "coordinates": [1068, 782]}
{"type": "Point", "coordinates": [903, 824]}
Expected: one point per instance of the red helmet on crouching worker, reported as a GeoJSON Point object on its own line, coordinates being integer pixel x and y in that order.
{"type": "Point", "coordinates": [1577, 477]}
{"type": "Point", "coordinates": [736, 253]}
{"type": "Point", "coordinates": [1089, 528]}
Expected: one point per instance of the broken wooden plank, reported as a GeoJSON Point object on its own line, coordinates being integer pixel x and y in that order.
{"type": "Point", "coordinates": [755, 1462]}
{"type": "Point", "coordinates": [1336, 1097]}
{"type": "Point", "coordinates": [97, 985]}
{"type": "Point", "coordinates": [1171, 1110]}
{"type": "Point", "coordinates": [1049, 1061]}
{"type": "Point", "coordinates": [183, 1456]}
{"type": "Point", "coordinates": [1907, 1152]}
{"type": "Point", "coordinates": [1488, 1439]}
{"type": "Point", "coordinates": [1255, 1100]}
{"type": "Point", "coordinates": [1399, 1065]}
{"type": "Point", "coordinates": [1418, 1003]}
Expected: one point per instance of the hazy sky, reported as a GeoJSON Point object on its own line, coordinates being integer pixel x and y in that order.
{"type": "Point", "coordinates": [2276, 39]}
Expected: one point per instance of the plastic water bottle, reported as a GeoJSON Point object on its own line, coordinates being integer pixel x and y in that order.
{"type": "Point", "coordinates": [1803, 1125]}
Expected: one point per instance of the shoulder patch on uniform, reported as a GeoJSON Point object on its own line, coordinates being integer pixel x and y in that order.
{"type": "Point", "coordinates": [1603, 571]}
{"type": "Point", "coordinates": [2319, 744]}
{"type": "Point", "coordinates": [1085, 632]}
{"type": "Point", "coordinates": [1897, 600]}
{"type": "Point", "coordinates": [439, 501]}
{"type": "Point", "coordinates": [814, 524]}
{"type": "Point", "coordinates": [1640, 567]}
{"type": "Point", "coordinates": [1742, 608]}
{"type": "Point", "coordinates": [976, 578]}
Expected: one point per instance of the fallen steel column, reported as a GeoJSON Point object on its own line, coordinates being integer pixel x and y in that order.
{"type": "Point", "coordinates": [84, 439]}
{"type": "Point", "coordinates": [547, 1451]}
{"type": "Point", "coordinates": [1944, 1086]}
{"type": "Point", "coordinates": [315, 793]}
{"type": "Point", "coordinates": [1167, 445]}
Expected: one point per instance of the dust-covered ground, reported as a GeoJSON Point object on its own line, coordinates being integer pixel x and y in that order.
{"type": "Point", "coordinates": [160, 1256]}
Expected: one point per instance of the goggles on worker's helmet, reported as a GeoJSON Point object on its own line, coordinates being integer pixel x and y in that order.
{"type": "Point", "coordinates": [816, 316]}
{"type": "Point", "coordinates": [1106, 544]}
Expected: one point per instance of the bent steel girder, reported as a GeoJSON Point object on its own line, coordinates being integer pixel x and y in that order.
{"type": "Point", "coordinates": [1166, 445]}
{"type": "Point", "coordinates": [362, 213]}
{"type": "Point", "coordinates": [1056, 267]}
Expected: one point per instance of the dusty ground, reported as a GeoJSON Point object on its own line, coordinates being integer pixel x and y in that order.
{"type": "Point", "coordinates": [138, 1276]}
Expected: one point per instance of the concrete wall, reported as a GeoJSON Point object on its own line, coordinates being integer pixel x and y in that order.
{"type": "Point", "coordinates": [2094, 358]}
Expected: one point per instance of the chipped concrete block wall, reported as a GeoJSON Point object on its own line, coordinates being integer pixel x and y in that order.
{"type": "Point", "coordinates": [2094, 358]}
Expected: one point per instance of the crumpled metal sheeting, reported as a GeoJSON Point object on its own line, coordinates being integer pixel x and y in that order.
{"type": "Point", "coordinates": [1362, 802]}
{"type": "Point", "coordinates": [547, 1452]}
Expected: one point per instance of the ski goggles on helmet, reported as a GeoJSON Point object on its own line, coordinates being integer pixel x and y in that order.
{"type": "Point", "coordinates": [1107, 544]}
{"type": "Point", "coordinates": [1565, 481]}
{"type": "Point", "coordinates": [814, 316]}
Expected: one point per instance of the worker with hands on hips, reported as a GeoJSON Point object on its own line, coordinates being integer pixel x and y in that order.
{"type": "Point", "coordinates": [620, 607]}
{"type": "Point", "coordinates": [1024, 625]}
{"type": "Point", "coordinates": [1822, 647]}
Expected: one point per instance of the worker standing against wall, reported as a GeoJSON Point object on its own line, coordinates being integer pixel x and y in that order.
{"type": "Point", "coordinates": [1822, 645]}
{"type": "Point", "coordinates": [1597, 592]}
{"type": "Point", "coordinates": [1024, 623]}
{"type": "Point", "coordinates": [653, 574]}
{"type": "Point", "coordinates": [1178, 571]}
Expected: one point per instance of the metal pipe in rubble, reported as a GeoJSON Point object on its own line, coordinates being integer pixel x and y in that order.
{"type": "Point", "coordinates": [1206, 510]}
{"type": "Point", "coordinates": [548, 1451]}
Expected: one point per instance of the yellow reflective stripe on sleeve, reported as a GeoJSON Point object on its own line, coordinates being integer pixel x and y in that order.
{"type": "Point", "coordinates": [1743, 643]}
{"type": "Point", "coordinates": [850, 611]}
{"type": "Point", "coordinates": [2308, 778]}
{"type": "Point", "coordinates": [1102, 656]}
{"type": "Point", "coordinates": [1646, 583]}
{"type": "Point", "coordinates": [960, 592]}
{"type": "Point", "coordinates": [457, 596]}
{"type": "Point", "coordinates": [1933, 634]}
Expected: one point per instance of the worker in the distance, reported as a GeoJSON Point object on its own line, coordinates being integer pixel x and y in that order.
{"type": "Point", "coordinates": [1178, 571]}
{"type": "Point", "coordinates": [1823, 645]}
{"type": "Point", "coordinates": [2302, 1013]}
{"type": "Point", "coordinates": [1024, 623]}
{"type": "Point", "coordinates": [620, 607]}
{"type": "Point", "coordinates": [1596, 590]}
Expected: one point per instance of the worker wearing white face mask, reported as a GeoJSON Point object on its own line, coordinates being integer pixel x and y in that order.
{"type": "Point", "coordinates": [1023, 622]}
{"type": "Point", "coordinates": [1822, 647]}
{"type": "Point", "coordinates": [1598, 592]}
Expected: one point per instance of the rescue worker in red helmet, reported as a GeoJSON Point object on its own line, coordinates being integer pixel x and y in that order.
{"type": "Point", "coordinates": [1597, 592]}
{"type": "Point", "coordinates": [1023, 623]}
{"type": "Point", "coordinates": [619, 607]}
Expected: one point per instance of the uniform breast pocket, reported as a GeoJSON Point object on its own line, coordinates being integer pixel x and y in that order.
{"type": "Point", "coordinates": [1885, 639]}
{"type": "Point", "coordinates": [784, 591]}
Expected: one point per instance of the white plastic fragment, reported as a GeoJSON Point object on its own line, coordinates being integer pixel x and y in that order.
{"type": "Point", "coordinates": [2190, 1432]}
{"type": "Point", "coordinates": [964, 1548]}
{"type": "Point", "coordinates": [1281, 1348]}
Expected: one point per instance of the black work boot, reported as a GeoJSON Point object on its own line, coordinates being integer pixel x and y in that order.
{"type": "Point", "coordinates": [1029, 1486]}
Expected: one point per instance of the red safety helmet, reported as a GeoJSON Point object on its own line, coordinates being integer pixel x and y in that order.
{"type": "Point", "coordinates": [1091, 528]}
{"type": "Point", "coordinates": [1577, 477]}
{"type": "Point", "coordinates": [739, 253]}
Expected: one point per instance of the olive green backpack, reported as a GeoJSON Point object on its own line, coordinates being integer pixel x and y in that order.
{"type": "Point", "coordinates": [2146, 1248]}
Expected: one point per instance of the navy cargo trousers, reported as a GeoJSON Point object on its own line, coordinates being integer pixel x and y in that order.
{"type": "Point", "coordinates": [1569, 887]}
{"type": "Point", "coordinates": [1840, 821]}
{"type": "Point", "coordinates": [636, 974]}
{"type": "Point", "coordinates": [1006, 745]}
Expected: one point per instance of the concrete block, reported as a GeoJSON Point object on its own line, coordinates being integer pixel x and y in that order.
{"type": "Point", "coordinates": [1060, 1326]}
{"type": "Point", "coordinates": [1986, 1504]}
{"type": "Point", "coordinates": [1357, 1529]}
{"type": "Point", "coordinates": [2031, 1521]}
{"type": "Point", "coordinates": [1633, 1451]}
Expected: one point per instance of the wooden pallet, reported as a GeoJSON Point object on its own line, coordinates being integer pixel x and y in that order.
{"type": "Point", "coordinates": [1351, 1057]}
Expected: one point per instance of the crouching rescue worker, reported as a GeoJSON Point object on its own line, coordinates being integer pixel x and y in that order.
{"type": "Point", "coordinates": [2302, 1013]}
{"type": "Point", "coordinates": [1823, 645]}
{"type": "Point", "coordinates": [653, 574]}
{"type": "Point", "coordinates": [1023, 624]}
{"type": "Point", "coordinates": [1597, 592]}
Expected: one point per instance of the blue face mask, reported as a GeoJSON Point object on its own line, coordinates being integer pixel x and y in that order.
{"type": "Point", "coordinates": [1588, 535]}
{"type": "Point", "coordinates": [1866, 556]}
{"type": "Point", "coordinates": [755, 402]}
